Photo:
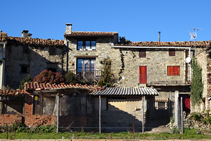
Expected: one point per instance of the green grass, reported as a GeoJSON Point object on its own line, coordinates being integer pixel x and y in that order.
{"type": "Point", "coordinates": [188, 134]}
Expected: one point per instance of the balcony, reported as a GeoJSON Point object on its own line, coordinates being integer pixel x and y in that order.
{"type": "Point", "coordinates": [90, 76]}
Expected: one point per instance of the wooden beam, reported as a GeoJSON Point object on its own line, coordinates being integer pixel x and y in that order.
{"type": "Point", "coordinates": [143, 114]}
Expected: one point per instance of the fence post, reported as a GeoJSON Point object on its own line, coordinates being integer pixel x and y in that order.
{"type": "Point", "coordinates": [57, 99]}
{"type": "Point", "coordinates": [143, 114]}
{"type": "Point", "coordinates": [99, 114]}
{"type": "Point", "coordinates": [181, 116]}
{"type": "Point", "coordinates": [176, 109]}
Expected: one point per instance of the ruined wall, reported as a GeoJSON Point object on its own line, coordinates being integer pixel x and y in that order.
{"type": "Point", "coordinates": [22, 60]}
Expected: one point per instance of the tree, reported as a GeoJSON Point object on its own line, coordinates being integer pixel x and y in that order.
{"type": "Point", "coordinates": [49, 77]}
{"type": "Point", "coordinates": [70, 77]}
{"type": "Point", "coordinates": [197, 85]}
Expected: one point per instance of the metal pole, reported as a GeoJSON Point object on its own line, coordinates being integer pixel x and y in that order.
{"type": "Point", "coordinates": [181, 116]}
{"type": "Point", "coordinates": [143, 114]}
{"type": "Point", "coordinates": [99, 114]}
{"type": "Point", "coordinates": [57, 98]}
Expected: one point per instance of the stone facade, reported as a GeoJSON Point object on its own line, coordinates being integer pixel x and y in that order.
{"type": "Point", "coordinates": [22, 60]}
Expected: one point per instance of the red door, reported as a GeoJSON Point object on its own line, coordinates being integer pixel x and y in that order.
{"type": "Point", "coordinates": [143, 74]}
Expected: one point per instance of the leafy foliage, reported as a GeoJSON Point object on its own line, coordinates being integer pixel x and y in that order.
{"type": "Point", "coordinates": [49, 77]}
{"type": "Point", "coordinates": [107, 77]}
{"type": "Point", "coordinates": [197, 85]}
{"type": "Point", "coordinates": [196, 116]}
{"type": "Point", "coordinates": [70, 77]}
{"type": "Point", "coordinates": [17, 126]}
{"type": "Point", "coordinates": [27, 79]}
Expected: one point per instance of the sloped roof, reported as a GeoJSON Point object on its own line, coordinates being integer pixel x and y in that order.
{"type": "Point", "coordinates": [42, 86]}
{"type": "Point", "coordinates": [12, 93]}
{"type": "Point", "coordinates": [35, 41]}
{"type": "Point", "coordinates": [168, 44]}
{"type": "Point", "coordinates": [125, 91]}
{"type": "Point", "coordinates": [83, 33]}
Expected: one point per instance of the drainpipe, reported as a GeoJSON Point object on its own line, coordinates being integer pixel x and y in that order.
{"type": "Point", "coordinates": [190, 66]}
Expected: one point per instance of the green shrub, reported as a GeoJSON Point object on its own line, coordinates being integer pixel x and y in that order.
{"type": "Point", "coordinates": [17, 126]}
{"type": "Point", "coordinates": [100, 83]}
{"type": "Point", "coordinates": [196, 116]}
{"type": "Point", "coordinates": [208, 119]}
{"type": "Point", "coordinates": [70, 77]}
{"type": "Point", "coordinates": [27, 79]}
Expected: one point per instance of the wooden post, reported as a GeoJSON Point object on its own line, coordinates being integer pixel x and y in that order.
{"type": "Point", "coordinates": [181, 116]}
{"type": "Point", "coordinates": [176, 110]}
{"type": "Point", "coordinates": [143, 114]}
{"type": "Point", "coordinates": [57, 101]}
{"type": "Point", "coordinates": [99, 114]}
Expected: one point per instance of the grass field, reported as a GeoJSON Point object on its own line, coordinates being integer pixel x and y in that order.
{"type": "Point", "coordinates": [188, 134]}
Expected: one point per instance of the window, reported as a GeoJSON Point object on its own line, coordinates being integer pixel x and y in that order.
{"type": "Point", "coordinates": [86, 64]}
{"type": "Point", "coordinates": [88, 45]}
{"type": "Point", "coordinates": [171, 52]}
{"type": "Point", "coordinates": [173, 70]}
{"type": "Point", "coordinates": [142, 53]}
{"type": "Point", "coordinates": [24, 68]}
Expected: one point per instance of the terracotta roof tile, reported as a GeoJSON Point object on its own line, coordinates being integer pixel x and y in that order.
{"type": "Point", "coordinates": [12, 92]}
{"type": "Point", "coordinates": [33, 86]}
{"type": "Point", "coordinates": [173, 44]}
{"type": "Point", "coordinates": [83, 33]}
{"type": "Point", "coordinates": [32, 41]}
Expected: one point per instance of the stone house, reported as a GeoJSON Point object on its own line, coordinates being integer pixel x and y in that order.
{"type": "Point", "coordinates": [26, 55]}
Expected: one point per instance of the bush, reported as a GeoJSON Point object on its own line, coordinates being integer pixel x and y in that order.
{"type": "Point", "coordinates": [70, 77]}
{"type": "Point", "coordinates": [196, 116]}
{"type": "Point", "coordinates": [100, 83]}
{"type": "Point", "coordinates": [17, 126]}
{"type": "Point", "coordinates": [49, 77]}
{"type": "Point", "coordinates": [27, 79]}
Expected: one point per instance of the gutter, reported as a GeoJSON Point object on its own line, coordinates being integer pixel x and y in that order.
{"type": "Point", "coordinates": [155, 47]}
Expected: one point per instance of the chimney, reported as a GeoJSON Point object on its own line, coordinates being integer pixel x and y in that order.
{"type": "Point", "coordinates": [25, 34]}
{"type": "Point", "coordinates": [159, 37]}
{"type": "Point", "coordinates": [68, 28]}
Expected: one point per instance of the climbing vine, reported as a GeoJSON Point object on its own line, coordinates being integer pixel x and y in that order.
{"type": "Point", "coordinates": [197, 85]}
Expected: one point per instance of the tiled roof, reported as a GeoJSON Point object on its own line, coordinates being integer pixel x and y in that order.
{"type": "Point", "coordinates": [12, 92]}
{"type": "Point", "coordinates": [172, 44]}
{"type": "Point", "coordinates": [81, 33]}
{"type": "Point", "coordinates": [42, 86]}
{"type": "Point", "coordinates": [34, 41]}
{"type": "Point", "coordinates": [126, 91]}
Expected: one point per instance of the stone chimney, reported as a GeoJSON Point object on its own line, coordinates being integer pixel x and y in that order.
{"type": "Point", "coordinates": [68, 28]}
{"type": "Point", "coordinates": [25, 34]}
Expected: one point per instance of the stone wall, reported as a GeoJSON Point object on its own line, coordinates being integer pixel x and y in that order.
{"type": "Point", "coordinates": [34, 59]}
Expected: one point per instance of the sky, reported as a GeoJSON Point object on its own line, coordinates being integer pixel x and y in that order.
{"type": "Point", "coordinates": [137, 20]}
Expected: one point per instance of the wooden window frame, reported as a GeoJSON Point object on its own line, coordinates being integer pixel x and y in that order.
{"type": "Point", "coordinates": [171, 70]}
{"type": "Point", "coordinates": [142, 53]}
{"type": "Point", "coordinates": [172, 52]}
{"type": "Point", "coordinates": [84, 47]}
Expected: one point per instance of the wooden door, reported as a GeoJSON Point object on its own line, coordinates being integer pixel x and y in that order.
{"type": "Point", "coordinates": [143, 74]}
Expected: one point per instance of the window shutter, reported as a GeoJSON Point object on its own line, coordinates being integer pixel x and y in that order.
{"type": "Point", "coordinates": [171, 52]}
{"type": "Point", "coordinates": [142, 53]}
{"type": "Point", "coordinates": [173, 70]}
{"type": "Point", "coordinates": [143, 74]}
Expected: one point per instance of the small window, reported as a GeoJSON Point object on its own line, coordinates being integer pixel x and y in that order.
{"type": "Point", "coordinates": [161, 105]}
{"type": "Point", "coordinates": [142, 53]}
{"type": "Point", "coordinates": [88, 45]}
{"type": "Point", "coordinates": [24, 68]}
{"type": "Point", "coordinates": [173, 70]}
{"type": "Point", "coordinates": [171, 52]}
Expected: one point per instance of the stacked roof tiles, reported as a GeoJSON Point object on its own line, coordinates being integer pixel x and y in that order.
{"type": "Point", "coordinates": [36, 41]}
{"type": "Point", "coordinates": [12, 92]}
{"type": "Point", "coordinates": [173, 44]}
{"type": "Point", "coordinates": [81, 33]}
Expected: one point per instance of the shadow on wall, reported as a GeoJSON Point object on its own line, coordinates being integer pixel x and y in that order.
{"type": "Point", "coordinates": [22, 60]}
